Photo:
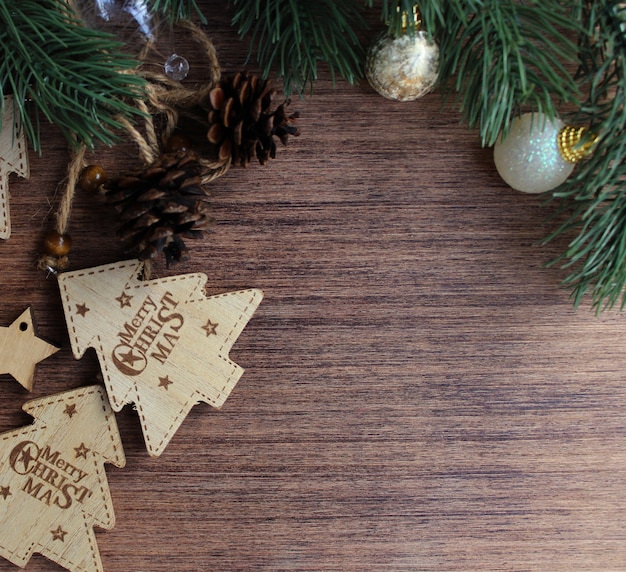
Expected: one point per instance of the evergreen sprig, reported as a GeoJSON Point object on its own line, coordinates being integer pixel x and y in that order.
{"type": "Point", "coordinates": [294, 36]}
{"type": "Point", "coordinates": [501, 56]}
{"type": "Point", "coordinates": [497, 56]}
{"type": "Point", "coordinates": [175, 10]}
{"type": "Point", "coordinates": [74, 76]}
{"type": "Point", "coordinates": [594, 199]}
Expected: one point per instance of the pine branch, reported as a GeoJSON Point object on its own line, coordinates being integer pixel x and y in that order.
{"type": "Point", "coordinates": [75, 77]}
{"type": "Point", "coordinates": [294, 36]}
{"type": "Point", "coordinates": [175, 10]}
{"type": "Point", "coordinates": [594, 199]}
{"type": "Point", "coordinates": [502, 55]}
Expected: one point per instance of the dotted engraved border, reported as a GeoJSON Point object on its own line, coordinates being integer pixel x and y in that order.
{"type": "Point", "coordinates": [19, 166]}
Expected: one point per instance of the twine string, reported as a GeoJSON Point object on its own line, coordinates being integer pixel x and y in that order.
{"type": "Point", "coordinates": [74, 170]}
{"type": "Point", "coordinates": [49, 262]}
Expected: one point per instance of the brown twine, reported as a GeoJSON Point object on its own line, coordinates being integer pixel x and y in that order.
{"type": "Point", "coordinates": [164, 96]}
{"type": "Point", "coordinates": [174, 94]}
{"type": "Point", "coordinates": [73, 173]}
{"type": "Point", "coordinates": [77, 163]}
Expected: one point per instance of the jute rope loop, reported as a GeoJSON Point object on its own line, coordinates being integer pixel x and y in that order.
{"type": "Point", "coordinates": [173, 100]}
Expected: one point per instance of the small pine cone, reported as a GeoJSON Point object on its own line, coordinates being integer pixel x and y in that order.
{"type": "Point", "coordinates": [160, 204]}
{"type": "Point", "coordinates": [241, 123]}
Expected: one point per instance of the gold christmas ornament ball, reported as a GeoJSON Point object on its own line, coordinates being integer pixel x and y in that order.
{"type": "Point", "coordinates": [403, 68]}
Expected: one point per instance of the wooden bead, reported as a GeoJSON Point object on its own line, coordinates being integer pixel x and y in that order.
{"type": "Point", "coordinates": [56, 244]}
{"type": "Point", "coordinates": [178, 142]}
{"type": "Point", "coordinates": [92, 178]}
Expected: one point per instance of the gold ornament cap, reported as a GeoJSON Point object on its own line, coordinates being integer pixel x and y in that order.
{"type": "Point", "coordinates": [576, 143]}
{"type": "Point", "coordinates": [417, 19]}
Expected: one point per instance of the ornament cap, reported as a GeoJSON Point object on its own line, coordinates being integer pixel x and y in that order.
{"type": "Point", "coordinates": [576, 143]}
{"type": "Point", "coordinates": [417, 19]}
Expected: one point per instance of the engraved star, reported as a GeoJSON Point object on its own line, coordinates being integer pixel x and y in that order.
{"type": "Point", "coordinates": [165, 382]}
{"type": "Point", "coordinates": [70, 410]}
{"type": "Point", "coordinates": [124, 300]}
{"type": "Point", "coordinates": [129, 358]}
{"type": "Point", "coordinates": [81, 451]}
{"type": "Point", "coordinates": [210, 328]}
{"type": "Point", "coordinates": [82, 309]}
{"type": "Point", "coordinates": [5, 492]}
{"type": "Point", "coordinates": [26, 457]}
{"type": "Point", "coordinates": [59, 534]}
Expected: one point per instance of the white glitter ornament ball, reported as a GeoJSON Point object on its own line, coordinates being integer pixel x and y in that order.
{"type": "Point", "coordinates": [402, 68]}
{"type": "Point", "coordinates": [529, 159]}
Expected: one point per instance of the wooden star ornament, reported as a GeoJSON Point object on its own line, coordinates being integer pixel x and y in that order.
{"type": "Point", "coordinates": [53, 486]}
{"type": "Point", "coordinates": [13, 159]}
{"type": "Point", "coordinates": [21, 349]}
{"type": "Point", "coordinates": [162, 344]}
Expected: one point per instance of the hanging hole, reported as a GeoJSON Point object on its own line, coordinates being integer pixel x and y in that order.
{"type": "Point", "coordinates": [23, 326]}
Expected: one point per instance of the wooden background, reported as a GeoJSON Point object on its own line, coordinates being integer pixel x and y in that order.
{"type": "Point", "coordinates": [419, 393]}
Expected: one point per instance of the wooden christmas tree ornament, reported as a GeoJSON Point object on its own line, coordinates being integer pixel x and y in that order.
{"type": "Point", "coordinates": [21, 349]}
{"type": "Point", "coordinates": [53, 487]}
{"type": "Point", "coordinates": [13, 159]}
{"type": "Point", "coordinates": [162, 344]}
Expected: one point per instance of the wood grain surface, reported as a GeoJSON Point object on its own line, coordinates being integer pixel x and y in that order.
{"type": "Point", "coordinates": [419, 393]}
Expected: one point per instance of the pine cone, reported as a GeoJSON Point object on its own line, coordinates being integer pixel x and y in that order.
{"type": "Point", "coordinates": [241, 123]}
{"type": "Point", "coordinates": [160, 204]}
